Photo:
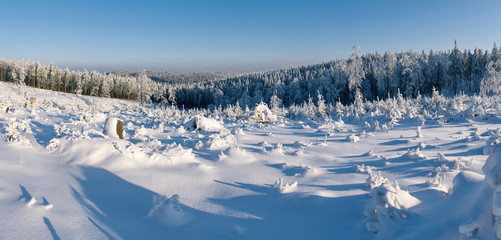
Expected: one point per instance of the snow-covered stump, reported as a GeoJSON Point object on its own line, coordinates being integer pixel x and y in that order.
{"type": "Point", "coordinates": [114, 128]}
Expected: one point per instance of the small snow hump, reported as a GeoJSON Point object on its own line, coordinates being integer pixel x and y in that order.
{"type": "Point", "coordinates": [204, 124]}
{"type": "Point", "coordinates": [168, 211]}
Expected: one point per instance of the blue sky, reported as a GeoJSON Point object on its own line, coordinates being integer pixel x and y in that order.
{"type": "Point", "coordinates": [239, 36]}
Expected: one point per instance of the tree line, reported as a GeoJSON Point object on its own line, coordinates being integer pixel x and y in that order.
{"type": "Point", "coordinates": [364, 77]}
{"type": "Point", "coordinates": [361, 77]}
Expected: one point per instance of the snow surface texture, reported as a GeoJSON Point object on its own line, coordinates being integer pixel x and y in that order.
{"type": "Point", "coordinates": [382, 171]}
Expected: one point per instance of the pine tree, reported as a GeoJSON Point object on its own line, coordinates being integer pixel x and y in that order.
{"type": "Point", "coordinates": [355, 74]}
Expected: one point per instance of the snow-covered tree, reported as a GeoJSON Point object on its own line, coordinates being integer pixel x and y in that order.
{"type": "Point", "coordinates": [491, 83]}
{"type": "Point", "coordinates": [355, 74]}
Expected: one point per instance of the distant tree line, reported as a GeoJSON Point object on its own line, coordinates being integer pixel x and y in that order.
{"type": "Point", "coordinates": [172, 78]}
{"type": "Point", "coordinates": [365, 77]}
{"type": "Point", "coordinates": [361, 77]}
{"type": "Point", "coordinates": [38, 75]}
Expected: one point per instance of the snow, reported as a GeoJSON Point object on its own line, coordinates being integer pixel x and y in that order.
{"type": "Point", "coordinates": [201, 123]}
{"type": "Point", "coordinates": [66, 175]}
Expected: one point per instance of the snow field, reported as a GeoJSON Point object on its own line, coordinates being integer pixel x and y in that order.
{"type": "Point", "coordinates": [254, 176]}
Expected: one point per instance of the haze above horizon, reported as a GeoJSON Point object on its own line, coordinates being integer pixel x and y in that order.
{"type": "Point", "coordinates": [237, 36]}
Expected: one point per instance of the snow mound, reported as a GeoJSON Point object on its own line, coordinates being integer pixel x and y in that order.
{"type": "Point", "coordinates": [200, 123]}
{"type": "Point", "coordinates": [352, 138]}
{"type": "Point", "coordinates": [16, 132]}
{"type": "Point", "coordinates": [279, 149]}
{"type": "Point", "coordinates": [283, 187]}
{"type": "Point", "coordinates": [238, 131]}
{"type": "Point", "coordinates": [375, 178]}
{"type": "Point", "coordinates": [456, 164]}
{"type": "Point", "coordinates": [467, 182]}
{"type": "Point", "coordinates": [301, 143]}
{"type": "Point", "coordinates": [492, 141]}
{"type": "Point", "coordinates": [263, 114]}
{"type": "Point", "coordinates": [176, 154]}
{"type": "Point", "coordinates": [414, 154]}
{"type": "Point", "coordinates": [54, 143]}
{"type": "Point", "coordinates": [387, 201]}
{"type": "Point", "coordinates": [301, 170]}
{"type": "Point", "coordinates": [217, 142]}
{"type": "Point", "coordinates": [168, 211]}
{"type": "Point", "coordinates": [236, 155]}
{"type": "Point", "coordinates": [465, 178]}
{"type": "Point", "coordinates": [492, 168]}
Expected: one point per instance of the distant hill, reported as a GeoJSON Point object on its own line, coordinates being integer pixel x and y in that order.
{"type": "Point", "coordinates": [172, 78]}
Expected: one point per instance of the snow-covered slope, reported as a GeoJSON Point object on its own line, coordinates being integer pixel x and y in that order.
{"type": "Point", "coordinates": [64, 177]}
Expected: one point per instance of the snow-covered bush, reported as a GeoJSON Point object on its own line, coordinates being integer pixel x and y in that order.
{"type": "Point", "coordinates": [455, 164]}
{"type": "Point", "coordinates": [352, 138]}
{"type": "Point", "coordinates": [283, 187]}
{"type": "Point", "coordinates": [365, 169]}
{"type": "Point", "coordinates": [54, 143]}
{"type": "Point", "coordinates": [262, 114]}
{"type": "Point", "coordinates": [375, 178]}
{"type": "Point", "coordinates": [16, 130]}
{"type": "Point", "coordinates": [387, 201]}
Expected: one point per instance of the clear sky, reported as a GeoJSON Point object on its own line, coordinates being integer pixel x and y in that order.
{"type": "Point", "coordinates": [237, 35]}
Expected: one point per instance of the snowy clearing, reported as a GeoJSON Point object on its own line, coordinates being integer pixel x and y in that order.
{"type": "Point", "coordinates": [66, 174]}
